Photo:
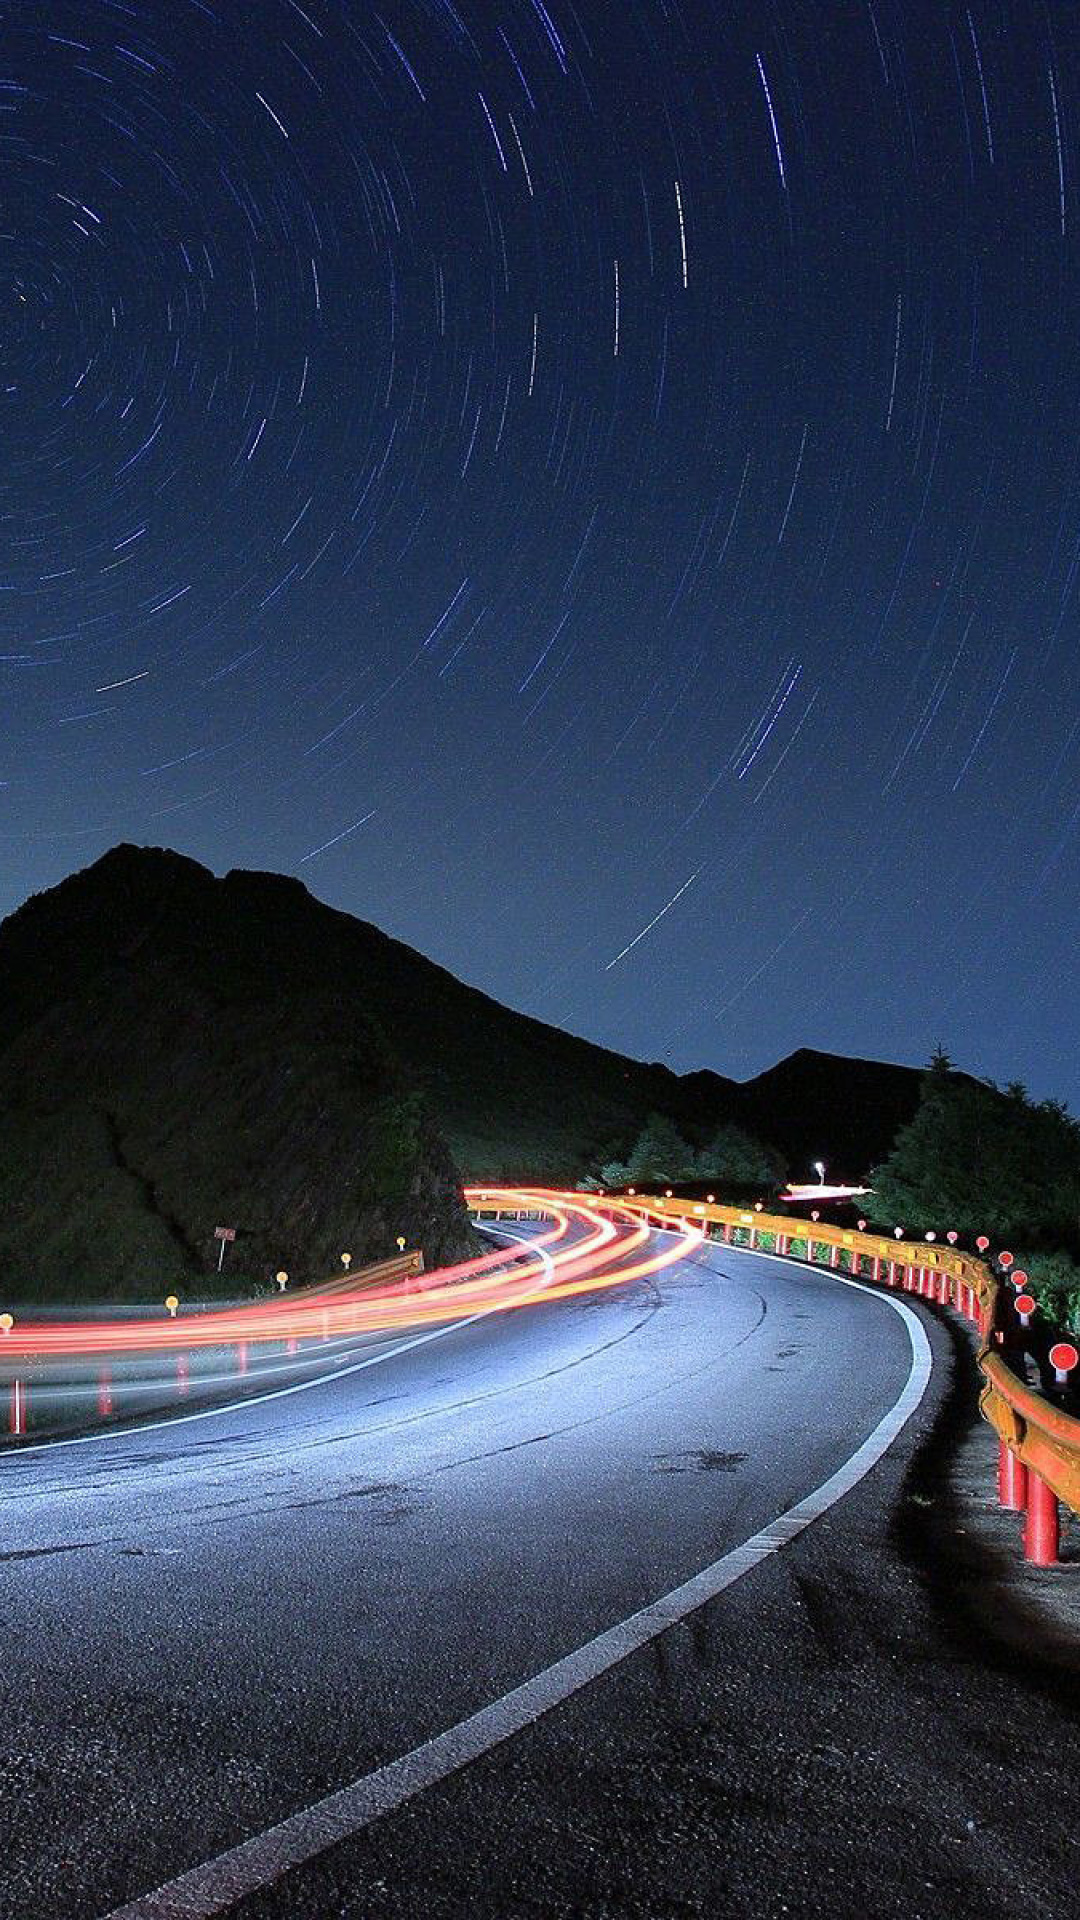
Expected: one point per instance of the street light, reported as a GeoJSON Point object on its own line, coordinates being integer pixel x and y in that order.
{"type": "Point", "coordinates": [819, 1169]}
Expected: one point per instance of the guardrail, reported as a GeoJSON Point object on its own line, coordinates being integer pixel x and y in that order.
{"type": "Point", "coordinates": [1038, 1443]}
{"type": "Point", "coordinates": [401, 1266]}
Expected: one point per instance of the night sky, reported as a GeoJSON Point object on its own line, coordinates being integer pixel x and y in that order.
{"type": "Point", "coordinates": [593, 488]}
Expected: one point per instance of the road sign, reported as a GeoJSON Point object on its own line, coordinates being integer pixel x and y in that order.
{"type": "Point", "coordinates": [1063, 1358]}
{"type": "Point", "coordinates": [223, 1234]}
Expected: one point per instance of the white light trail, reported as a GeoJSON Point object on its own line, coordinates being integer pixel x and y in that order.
{"type": "Point", "coordinates": [794, 484]}
{"type": "Point", "coordinates": [895, 363]}
{"type": "Point", "coordinates": [282, 130]}
{"type": "Point", "coordinates": [772, 118]}
{"type": "Point", "coordinates": [343, 835]}
{"type": "Point", "coordinates": [132, 677]}
{"type": "Point", "coordinates": [521, 150]}
{"type": "Point", "coordinates": [682, 232]}
{"type": "Point", "coordinates": [631, 944]}
{"type": "Point", "coordinates": [1060, 160]}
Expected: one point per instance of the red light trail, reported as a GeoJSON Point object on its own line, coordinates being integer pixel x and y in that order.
{"type": "Point", "coordinates": [602, 1253]}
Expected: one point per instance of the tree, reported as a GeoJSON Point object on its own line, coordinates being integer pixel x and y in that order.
{"type": "Point", "coordinates": [735, 1158]}
{"type": "Point", "coordinates": [659, 1154]}
{"type": "Point", "coordinates": [982, 1161]}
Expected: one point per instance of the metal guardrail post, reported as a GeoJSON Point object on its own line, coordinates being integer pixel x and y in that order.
{"type": "Point", "coordinates": [1041, 1524]}
{"type": "Point", "coordinates": [1012, 1479]}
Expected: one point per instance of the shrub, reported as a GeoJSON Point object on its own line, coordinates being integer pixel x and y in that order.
{"type": "Point", "coordinates": [1055, 1280]}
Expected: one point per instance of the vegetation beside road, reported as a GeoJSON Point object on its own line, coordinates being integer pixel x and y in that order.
{"type": "Point", "coordinates": [732, 1157]}
{"type": "Point", "coordinates": [980, 1159]}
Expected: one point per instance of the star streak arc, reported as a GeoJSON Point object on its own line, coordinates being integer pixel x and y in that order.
{"type": "Point", "coordinates": [710, 355]}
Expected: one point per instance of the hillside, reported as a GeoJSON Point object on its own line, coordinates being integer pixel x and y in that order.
{"type": "Point", "coordinates": [179, 1052]}
{"type": "Point", "coordinates": [822, 1106]}
{"type": "Point", "coordinates": [514, 1096]}
{"type": "Point", "coordinates": [164, 1071]}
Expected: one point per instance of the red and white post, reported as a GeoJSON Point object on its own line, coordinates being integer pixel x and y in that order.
{"type": "Point", "coordinates": [1042, 1525]}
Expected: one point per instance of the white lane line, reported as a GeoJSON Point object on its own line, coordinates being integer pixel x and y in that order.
{"type": "Point", "coordinates": [257, 1863]}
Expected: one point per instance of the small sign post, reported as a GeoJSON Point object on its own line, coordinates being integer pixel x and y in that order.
{"type": "Point", "coordinates": [223, 1234]}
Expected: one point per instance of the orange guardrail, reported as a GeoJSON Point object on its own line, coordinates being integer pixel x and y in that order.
{"type": "Point", "coordinates": [402, 1266]}
{"type": "Point", "coordinates": [1039, 1444]}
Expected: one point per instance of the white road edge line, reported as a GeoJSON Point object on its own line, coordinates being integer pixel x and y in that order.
{"type": "Point", "coordinates": [275, 1393]}
{"type": "Point", "coordinates": [219, 1884]}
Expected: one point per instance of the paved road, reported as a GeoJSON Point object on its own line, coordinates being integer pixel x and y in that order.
{"type": "Point", "coordinates": [210, 1627]}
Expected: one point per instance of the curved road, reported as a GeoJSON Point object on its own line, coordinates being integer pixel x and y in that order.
{"type": "Point", "coordinates": [212, 1626]}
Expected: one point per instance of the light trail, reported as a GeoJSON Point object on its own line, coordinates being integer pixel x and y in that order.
{"type": "Point", "coordinates": [772, 121]}
{"type": "Point", "coordinates": [601, 1253]}
{"type": "Point", "coordinates": [655, 921]}
{"type": "Point", "coordinates": [682, 232]}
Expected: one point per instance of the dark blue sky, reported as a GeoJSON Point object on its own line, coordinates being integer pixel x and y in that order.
{"type": "Point", "coordinates": [592, 488]}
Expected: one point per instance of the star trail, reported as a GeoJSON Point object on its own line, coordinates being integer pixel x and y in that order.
{"type": "Point", "coordinates": [496, 460]}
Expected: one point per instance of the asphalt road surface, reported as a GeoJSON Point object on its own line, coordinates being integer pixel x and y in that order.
{"type": "Point", "coordinates": [210, 1627]}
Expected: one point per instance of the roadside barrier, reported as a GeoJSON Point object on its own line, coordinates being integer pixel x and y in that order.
{"type": "Point", "coordinates": [1038, 1443]}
